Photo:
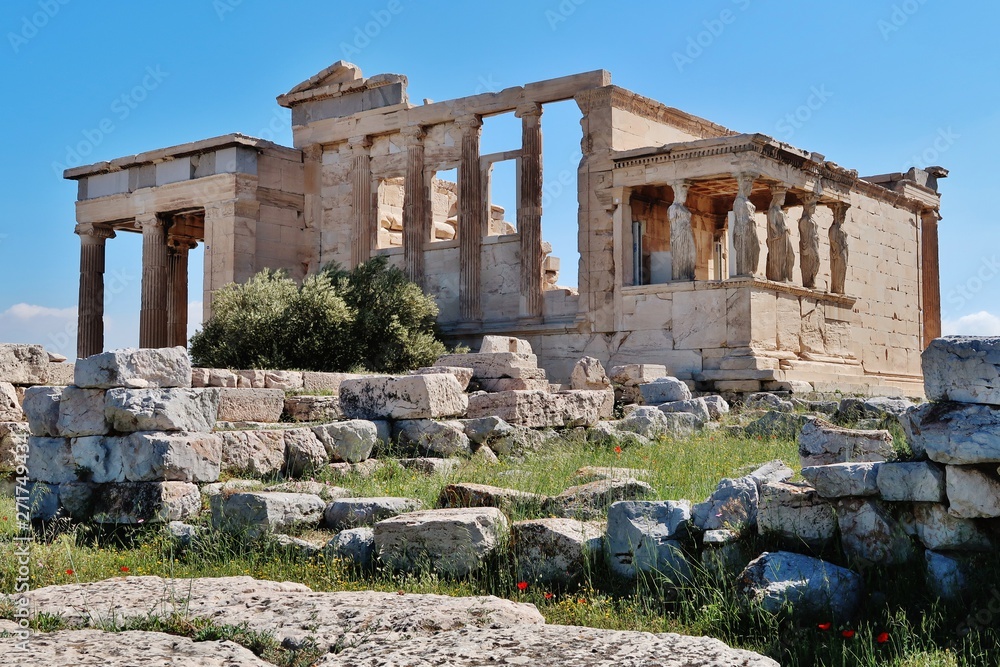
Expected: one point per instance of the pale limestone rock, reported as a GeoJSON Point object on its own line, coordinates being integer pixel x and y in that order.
{"type": "Point", "coordinates": [812, 587]}
{"type": "Point", "coordinates": [717, 406]}
{"type": "Point", "coordinates": [870, 534]}
{"type": "Point", "coordinates": [103, 457]}
{"type": "Point", "coordinates": [13, 441]}
{"type": "Point", "coordinates": [120, 649]}
{"type": "Point", "coordinates": [486, 430]}
{"type": "Point", "coordinates": [258, 512]}
{"type": "Point", "coordinates": [304, 453]}
{"type": "Point", "coordinates": [355, 545]}
{"type": "Point", "coordinates": [796, 514]}
{"type": "Point", "coordinates": [177, 457]}
{"type": "Point", "coordinates": [822, 443]}
{"type": "Point", "coordinates": [259, 453]}
{"type": "Point", "coordinates": [647, 421]}
{"type": "Point", "coordinates": [920, 481]}
{"type": "Point", "coordinates": [972, 493]}
{"type": "Point", "coordinates": [963, 368]}
{"type": "Point", "coordinates": [939, 530]}
{"type": "Point", "coordinates": [439, 438]}
{"type": "Point", "coordinates": [146, 502]}
{"type": "Point", "coordinates": [454, 540]}
{"type": "Point", "coordinates": [285, 380]}
{"type": "Point", "coordinates": [588, 373]}
{"type": "Point", "coordinates": [767, 401]}
{"type": "Point", "coordinates": [461, 373]}
{"type": "Point", "coordinates": [777, 424]}
{"type": "Point", "coordinates": [591, 500]}
{"type": "Point", "coordinates": [316, 381]}
{"type": "Point", "coordinates": [345, 513]}
{"type": "Point", "coordinates": [129, 410]}
{"type": "Point", "coordinates": [23, 364]}
{"type": "Point", "coordinates": [538, 409]}
{"type": "Point", "coordinates": [296, 545]}
{"type": "Point", "coordinates": [633, 375]}
{"type": "Point", "coordinates": [467, 494]}
{"type": "Point", "coordinates": [50, 460]}
{"type": "Point", "coordinates": [183, 534]}
{"type": "Point", "coordinates": [695, 406]}
{"type": "Point", "coordinates": [232, 485]}
{"type": "Point", "coordinates": [351, 441]}
{"type": "Point", "coordinates": [430, 465]}
{"type": "Point", "coordinates": [554, 550]}
{"type": "Point", "coordinates": [252, 405]}
{"type": "Point", "coordinates": [219, 377]}
{"type": "Point", "coordinates": [875, 407]}
{"type": "Point", "coordinates": [840, 480]}
{"type": "Point", "coordinates": [645, 536]}
{"type": "Point", "coordinates": [313, 408]}
{"type": "Point", "coordinates": [733, 505]}
{"type": "Point", "coordinates": [41, 407]}
{"type": "Point", "coordinates": [946, 576]}
{"type": "Point", "coordinates": [406, 397]}
{"type": "Point", "coordinates": [324, 490]}
{"type": "Point", "coordinates": [81, 412]}
{"type": "Point", "coordinates": [496, 365]}
{"type": "Point", "coordinates": [492, 344]}
{"type": "Point", "coordinates": [60, 374]}
{"type": "Point", "coordinates": [664, 390]}
{"type": "Point", "coordinates": [10, 407]}
{"type": "Point", "coordinates": [593, 473]}
{"type": "Point", "coordinates": [954, 433]}
{"type": "Point", "coordinates": [135, 369]}
{"type": "Point", "coordinates": [251, 379]}
{"type": "Point", "coordinates": [772, 471]}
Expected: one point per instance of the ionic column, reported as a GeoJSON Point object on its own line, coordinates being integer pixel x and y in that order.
{"type": "Point", "coordinates": [153, 312]}
{"type": "Point", "coordinates": [177, 289]}
{"type": "Point", "coordinates": [780, 255]}
{"type": "Point", "coordinates": [809, 242]}
{"type": "Point", "coordinates": [746, 242]}
{"type": "Point", "coordinates": [90, 312]}
{"type": "Point", "coordinates": [471, 219]}
{"type": "Point", "coordinates": [930, 274]}
{"type": "Point", "coordinates": [529, 210]}
{"type": "Point", "coordinates": [838, 248]}
{"type": "Point", "coordinates": [416, 218]}
{"type": "Point", "coordinates": [683, 255]}
{"type": "Point", "coordinates": [361, 181]}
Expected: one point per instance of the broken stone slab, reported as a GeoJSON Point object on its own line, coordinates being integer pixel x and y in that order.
{"type": "Point", "coordinates": [351, 441]}
{"type": "Point", "coordinates": [841, 480]}
{"type": "Point", "coordinates": [233, 485]}
{"type": "Point", "coordinates": [144, 502]}
{"type": "Point", "coordinates": [954, 433]}
{"type": "Point", "coordinates": [175, 456]}
{"type": "Point", "coordinates": [919, 481]}
{"type": "Point", "coordinates": [965, 369]}
{"type": "Point", "coordinates": [496, 385]}
{"type": "Point", "coordinates": [23, 364]}
{"type": "Point", "coordinates": [767, 401]}
{"type": "Point", "coordinates": [453, 541]}
{"type": "Point", "coordinates": [772, 471]}
{"type": "Point", "coordinates": [972, 493]}
{"type": "Point", "coordinates": [183, 534]}
{"type": "Point", "coordinates": [555, 551]}
{"type": "Point", "coordinates": [774, 424]}
{"type": "Point", "coordinates": [796, 514]}
{"type": "Point", "coordinates": [588, 373]}
{"type": "Point", "coordinates": [130, 410]}
{"type": "Point", "coordinates": [945, 574]}
{"type": "Point", "coordinates": [633, 375]}
{"type": "Point", "coordinates": [664, 390]}
{"type": "Point", "coordinates": [406, 397]}
{"type": "Point", "coordinates": [592, 500]}
{"type": "Point", "coordinates": [346, 513]}
{"type": "Point", "coordinates": [297, 546]}
{"type": "Point", "coordinates": [495, 344]}
{"type": "Point", "coordinates": [258, 453]}
{"type": "Point", "coordinates": [467, 494]}
{"type": "Point", "coordinates": [811, 587]}
{"type": "Point", "coordinates": [461, 373]}
{"type": "Point", "coordinates": [438, 438]}
{"type": "Point", "coordinates": [41, 407]}
{"type": "Point", "coordinates": [363, 469]}
{"type": "Point", "coordinates": [593, 473]}
{"type": "Point", "coordinates": [695, 406]}
{"type": "Point", "coordinates": [312, 408]}
{"type": "Point", "coordinates": [870, 534]}
{"type": "Point", "coordinates": [101, 459]}
{"type": "Point", "coordinates": [81, 412]}
{"type": "Point", "coordinates": [253, 405]}
{"type": "Point", "coordinates": [875, 407]}
{"type": "Point", "coordinates": [324, 490]}
{"type": "Point", "coordinates": [119, 649]}
{"type": "Point", "coordinates": [821, 443]}
{"type": "Point", "coordinates": [646, 536]}
{"type": "Point", "coordinates": [214, 377]}
{"type": "Point", "coordinates": [328, 382]}
{"type": "Point", "coordinates": [939, 530]}
{"type": "Point", "coordinates": [304, 453]}
{"type": "Point", "coordinates": [354, 545]}
{"type": "Point", "coordinates": [430, 465]}
{"type": "Point", "coordinates": [257, 512]}
{"type": "Point", "coordinates": [495, 365]}
{"type": "Point", "coordinates": [495, 433]}
{"type": "Point", "coordinates": [539, 409]}
{"type": "Point", "coordinates": [647, 421]}
{"type": "Point", "coordinates": [717, 406]}
{"type": "Point", "coordinates": [10, 407]}
{"type": "Point", "coordinates": [283, 609]}
{"type": "Point", "coordinates": [13, 443]}
{"type": "Point", "coordinates": [733, 506]}
{"type": "Point", "coordinates": [284, 380]}
{"type": "Point", "coordinates": [51, 460]}
{"type": "Point", "coordinates": [135, 369]}
{"type": "Point", "coordinates": [60, 374]}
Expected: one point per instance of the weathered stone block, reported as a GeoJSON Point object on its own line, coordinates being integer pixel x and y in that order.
{"type": "Point", "coordinates": [954, 433]}
{"type": "Point", "coordinates": [972, 493]}
{"type": "Point", "coordinates": [146, 502]}
{"type": "Point", "coordinates": [555, 550]}
{"type": "Point", "coordinates": [406, 397]}
{"type": "Point", "coordinates": [130, 410]}
{"type": "Point", "coordinates": [592, 500]}
{"type": "Point", "coordinates": [919, 481]}
{"type": "Point", "coordinates": [345, 513]}
{"type": "Point", "coordinates": [461, 373]}
{"type": "Point", "coordinates": [259, 453]}
{"type": "Point", "coordinates": [304, 453]}
{"type": "Point", "coordinates": [664, 390]}
{"type": "Point", "coordinates": [350, 441]}
{"type": "Point", "coordinates": [13, 444]}
{"type": "Point", "coordinates": [494, 344]}
{"type": "Point", "coordinates": [496, 365]}
{"type": "Point", "coordinates": [172, 457]}
{"type": "Point", "coordinates": [963, 368]}
{"type": "Point", "coordinates": [939, 530]}
{"type": "Point", "coordinates": [41, 407]}
{"type": "Point", "coordinates": [251, 405]}
{"type": "Point", "coordinates": [812, 587]}
{"type": "Point", "coordinates": [633, 375]}
{"type": "Point", "coordinates": [467, 494]}
{"type": "Point", "coordinates": [355, 545]}
{"type": "Point", "coordinates": [50, 460]}
{"type": "Point", "coordinates": [81, 412]}
{"type": "Point", "coordinates": [588, 373]}
{"type": "Point", "coordinates": [733, 506]}
{"type": "Point", "coordinates": [10, 407]}
{"type": "Point", "coordinates": [313, 408]}
{"type": "Point", "coordinates": [135, 369]}
{"type": "Point", "coordinates": [695, 406]}
{"type": "Point", "coordinates": [840, 480]}
{"type": "Point", "coordinates": [101, 456]}
{"type": "Point", "coordinates": [538, 409]}
{"type": "Point", "coordinates": [23, 364]}
{"type": "Point", "coordinates": [444, 438]}
{"type": "Point", "coordinates": [870, 534]}
{"type": "Point", "coordinates": [821, 443]}
{"type": "Point", "coordinates": [647, 536]}
{"type": "Point", "coordinates": [797, 514]}
{"type": "Point", "coordinates": [261, 512]}
{"type": "Point", "coordinates": [284, 380]}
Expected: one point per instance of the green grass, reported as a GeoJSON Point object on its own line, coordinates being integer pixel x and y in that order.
{"type": "Point", "coordinates": [921, 631]}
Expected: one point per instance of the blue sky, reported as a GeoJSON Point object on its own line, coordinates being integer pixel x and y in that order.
{"type": "Point", "coordinates": [876, 86]}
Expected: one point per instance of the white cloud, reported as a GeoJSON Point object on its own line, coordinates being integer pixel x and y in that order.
{"type": "Point", "coordinates": [974, 324]}
{"type": "Point", "coordinates": [27, 311]}
{"type": "Point", "coordinates": [55, 328]}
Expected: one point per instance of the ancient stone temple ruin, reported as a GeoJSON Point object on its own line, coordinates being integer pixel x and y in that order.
{"type": "Point", "coordinates": [735, 260]}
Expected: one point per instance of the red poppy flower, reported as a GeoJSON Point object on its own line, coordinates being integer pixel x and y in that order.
{"type": "Point", "coordinates": [825, 626]}
{"type": "Point", "coordinates": [882, 638]}
{"type": "Point", "coordinates": [549, 596]}
{"type": "Point", "coordinates": [5, 518]}
{"type": "Point", "coordinates": [522, 585]}
{"type": "Point", "coordinates": [124, 568]}
{"type": "Point", "coordinates": [69, 572]}
{"type": "Point", "coordinates": [582, 601]}
{"type": "Point", "coordinates": [847, 634]}
{"type": "Point", "coordinates": [618, 449]}
{"type": "Point", "coordinates": [400, 592]}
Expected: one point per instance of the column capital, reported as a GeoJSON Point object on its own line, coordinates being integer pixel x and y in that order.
{"type": "Point", "coordinates": [680, 188]}
{"type": "Point", "coordinates": [413, 134]}
{"type": "Point", "coordinates": [364, 141]}
{"type": "Point", "coordinates": [745, 181]}
{"type": "Point", "coordinates": [930, 214]}
{"type": "Point", "coordinates": [778, 189]}
{"type": "Point", "coordinates": [181, 242]}
{"type": "Point", "coordinates": [469, 122]}
{"type": "Point", "coordinates": [809, 201]}
{"type": "Point", "coordinates": [839, 209]}
{"type": "Point", "coordinates": [313, 152]}
{"type": "Point", "coordinates": [529, 110]}
{"type": "Point", "coordinates": [144, 220]}
{"type": "Point", "coordinates": [91, 233]}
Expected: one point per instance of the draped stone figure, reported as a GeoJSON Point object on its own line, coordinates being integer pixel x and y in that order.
{"type": "Point", "coordinates": [746, 243]}
{"type": "Point", "coordinates": [808, 243]}
{"type": "Point", "coordinates": [838, 249]}
{"type": "Point", "coordinates": [682, 250]}
{"type": "Point", "coordinates": [780, 255]}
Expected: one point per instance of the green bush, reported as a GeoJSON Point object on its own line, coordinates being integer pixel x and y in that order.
{"type": "Point", "coordinates": [371, 318]}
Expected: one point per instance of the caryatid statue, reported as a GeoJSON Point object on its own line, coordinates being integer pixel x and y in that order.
{"type": "Point", "coordinates": [809, 242]}
{"type": "Point", "coordinates": [682, 251]}
{"type": "Point", "coordinates": [838, 249]}
{"type": "Point", "coordinates": [746, 243]}
{"type": "Point", "coordinates": [780, 255]}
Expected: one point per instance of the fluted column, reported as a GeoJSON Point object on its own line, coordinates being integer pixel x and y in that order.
{"type": "Point", "coordinates": [838, 248]}
{"type": "Point", "coordinates": [177, 289]}
{"type": "Point", "coordinates": [808, 242]}
{"type": "Point", "coordinates": [746, 242]}
{"type": "Point", "coordinates": [471, 219]}
{"type": "Point", "coordinates": [416, 219]}
{"type": "Point", "coordinates": [153, 312]}
{"type": "Point", "coordinates": [930, 274]}
{"type": "Point", "coordinates": [683, 255]}
{"type": "Point", "coordinates": [90, 312]}
{"type": "Point", "coordinates": [529, 211]}
{"type": "Point", "coordinates": [361, 181]}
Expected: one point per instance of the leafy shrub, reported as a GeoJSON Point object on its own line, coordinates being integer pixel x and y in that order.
{"type": "Point", "coordinates": [371, 318]}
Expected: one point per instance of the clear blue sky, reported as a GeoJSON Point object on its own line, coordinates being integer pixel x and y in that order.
{"type": "Point", "coordinates": [875, 86]}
